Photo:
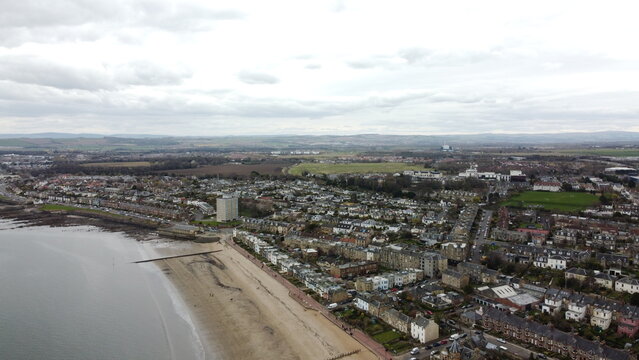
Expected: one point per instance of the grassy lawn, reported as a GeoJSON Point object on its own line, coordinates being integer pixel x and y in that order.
{"type": "Point", "coordinates": [54, 207]}
{"type": "Point", "coordinates": [119, 164]}
{"type": "Point", "coordinates": [352, 168]}
{"type": "Point", "coordinates": [562, 201]}
{"type": "Point", "coordinates": [387, 336]}
{"type": "Point", "coordinates": [216, 223]}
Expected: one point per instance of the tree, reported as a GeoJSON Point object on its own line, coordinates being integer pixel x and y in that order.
{"type": "Point", "coordinates": [494, 262]}
{"type": "Point", "coordinates": [634, 299]}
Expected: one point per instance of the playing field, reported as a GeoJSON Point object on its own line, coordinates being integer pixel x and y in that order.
{"type": "Point", "coordinates": [562, 201]}
{"type": "Point", "coordinates": [352, 168]}
{"type": "Point", "coordinates": [119, 164]}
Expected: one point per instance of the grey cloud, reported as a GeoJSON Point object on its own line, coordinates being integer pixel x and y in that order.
{"type": "Point", "coordinates": [313, 66]}
{"type": "Point", "coordinates": [149, 74]}
{"type": "Point", "coordinates": [362, 64]}
{"type": "Point", "coordinates": [253, 78]}
{"type": "Point", "coordinates": [413, 55]}
{"type": "Point", "coordinates": [32, 20]}
{"type": "Point", "coordinates": [35, 70]}
{"type": "Point", "coordinates": [39, 71]}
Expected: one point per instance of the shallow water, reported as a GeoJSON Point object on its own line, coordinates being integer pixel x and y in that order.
{"type": "Point", "coordinates": [72, 293]}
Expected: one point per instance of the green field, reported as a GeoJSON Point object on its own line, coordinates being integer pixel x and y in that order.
{"type": "Point", "coordinates": [562, 201]}
{"type": "Point", "coordinates": [612, 152]}
{"type": "Point", "coordinates": [387, 337]}
{"type": "Point", "coordinates": [209, 222]}
{"type": "Point", "coordinates": [54, 207]}
{"type": "Point", "coordinates": [352, 168]}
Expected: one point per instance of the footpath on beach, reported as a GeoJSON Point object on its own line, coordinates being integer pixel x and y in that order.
{"type": "Point", "coordinates": [308, 302]}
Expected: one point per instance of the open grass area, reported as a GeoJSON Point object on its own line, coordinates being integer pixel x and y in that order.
{"type": "Point", "coordinates": [387, 336]}
{"type": "Point", "coordinates": [561, 201]}
{"type": "Point", "coordinates": [208, 222]}
{"type": "Point", "coordinates": [352, 168]}
{"type": "Point", "coordinates": [613, 152]}
{"type": "Point", "coordinates": [55, 207]}
{"type": "Point", "coordinates": [119, 164]}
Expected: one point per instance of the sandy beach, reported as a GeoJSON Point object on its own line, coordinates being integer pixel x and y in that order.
{"type": "Point", "coordinates": [243, 313]}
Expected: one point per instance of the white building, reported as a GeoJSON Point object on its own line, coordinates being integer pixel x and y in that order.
{"type": "Point", "coordinates": [555, 262]}
{"type": "Point", "coordinates": [361, 303]}
{"type": "Point", "coordinates": [576, 311]}
{"type": "Point", "coordinates": [380, 283]}
{"type": "Point", "coordinates": [424, 330]}
{"type": "Point", "coordinates": [601, 318]}
{"type": "Point", "coordinates": [552, 305]}
{"type": "Point", "coordinates": [552, 186]}
{"type": "Point", "coordinates": [627, 284]}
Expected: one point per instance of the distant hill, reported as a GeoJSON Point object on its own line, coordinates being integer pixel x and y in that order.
{"type": "Point", "coordinates": [54, 135]}
{"type": "Point", "coordinates": [322, 142]}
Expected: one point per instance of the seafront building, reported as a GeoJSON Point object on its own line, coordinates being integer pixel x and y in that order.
{"type": "Point", "coordinates": [227, 209]}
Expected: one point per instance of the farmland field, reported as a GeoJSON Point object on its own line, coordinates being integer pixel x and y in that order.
{"type": "Point", "coordinates": [604, 152]}
{"type": "Point", "coordinates": [609, 152]}
{"type": "Point", "coordinates": [234, 169]}
{"type": "Point", "coordinates": [119, 164]}
{"type": "Point", "coordinates": [352, 168]}
{"type": "Point", "coordinates": [562, 201]}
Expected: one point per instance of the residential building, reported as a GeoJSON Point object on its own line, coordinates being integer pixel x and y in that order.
{"type": "Point", "coordinates": [227, 209]}
{"type": "Point", "coordinates": [353, 269]}
{"type": "Point", "coordinates": [424, 330]}
{"type": "Point", "coordinates": [576, 273]}
{"type": "Point", "coordinates": [548, 338]}
{"type": "Point", "coordinates": [455, 279]}
{"type": "Point", "coordinates": [576, 310]}
{"type": "Point", "coordinates": [397, 320]}
{"type": "Point", "coordinates": [433, 264]}
{"type": "Point", "coordinates": [628, 324]}
{"type": "Point", "coordinates": [555, 262]}
{"type": "Point", "coordinates": [553, 186]}
{"type": "Point", "coordinates": [601, 317]}
{"type": "Point", "coordinates": [628, 285]}
{"type": "Point", "coordinates": [457, 251]}
{"type": "Point", "coordinates": [605, 280]}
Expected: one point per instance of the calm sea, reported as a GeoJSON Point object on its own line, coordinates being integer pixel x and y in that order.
{"type": "Point", "coordinates": [72, 293]}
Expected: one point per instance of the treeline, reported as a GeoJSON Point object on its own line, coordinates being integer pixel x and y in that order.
{"type": "Point", "coordinates": [402, 186]}
{"type": "Point", "coordinates": [465, 184]}
{"type": "Point", "coordinates": [394, 185]}
{"type": "Point", "coordinates": [155, 167]}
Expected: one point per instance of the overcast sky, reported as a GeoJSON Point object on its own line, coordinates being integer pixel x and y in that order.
{"type": "Point", "coordinates": [318, 67]}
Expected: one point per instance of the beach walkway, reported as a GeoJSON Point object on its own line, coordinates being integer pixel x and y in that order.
{"type": "Point", "coordinates": [310, 303]}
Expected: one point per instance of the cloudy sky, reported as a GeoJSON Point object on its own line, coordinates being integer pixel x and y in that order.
{"type": "Point", "coordinates": [318, 67]}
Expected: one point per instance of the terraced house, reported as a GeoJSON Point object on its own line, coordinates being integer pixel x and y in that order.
{"type": "Point", "coordinates": [549, 338]}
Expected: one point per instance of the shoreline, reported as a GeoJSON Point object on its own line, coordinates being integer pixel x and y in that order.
{"type": "Point", "coordinates": [149, 249]}
{"type": "Point", "coordinates": [236, 309]}
{"type": "Point", "coordinates": [249, 314]}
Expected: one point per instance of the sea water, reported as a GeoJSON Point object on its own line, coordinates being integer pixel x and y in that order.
{"type": "Point", "coordinates": [73, 293]}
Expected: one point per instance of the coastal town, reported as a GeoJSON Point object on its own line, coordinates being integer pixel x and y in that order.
{"type": "Point", "coordinates": [444, 255]}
